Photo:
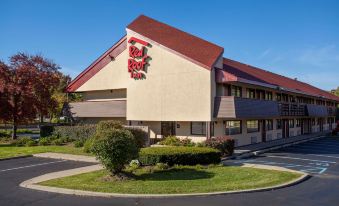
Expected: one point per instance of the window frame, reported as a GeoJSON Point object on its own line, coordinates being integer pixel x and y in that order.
{"type": "Point", "coordinates": [203, 130]}
{"type": "Point", "coordinates": [291, 125]}
{"type": "Point", "coordinates": [279, 124]}
{"type": "Point", "coordinates": [236, 89]}
{"type": "Point", "coordinates": [226, 129]}
{"type": "Point", "coordinates": [271, 125]}
{"type": "Point", "coordinates": [252, 131]}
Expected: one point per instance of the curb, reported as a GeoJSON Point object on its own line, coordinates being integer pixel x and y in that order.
{"type": "Point", "coordinates": [258, 152]}
{"type": "Point", "coordinates": [33, 184]}
{"type": "Point", "coordinates": [17, 157]}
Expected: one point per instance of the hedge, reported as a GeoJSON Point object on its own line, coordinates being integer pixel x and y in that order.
{"type": "Point", "coordinates": [179, 155]}
{"type": "Point", "coordinates": [46, 130]}
{"type": "Point", "coordinates": [79, 132]}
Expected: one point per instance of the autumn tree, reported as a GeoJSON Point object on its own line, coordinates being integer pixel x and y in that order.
{"type": "Point", "coordinates": [27, 87]}
{"type": "Point", "coordinates": [335, 91]}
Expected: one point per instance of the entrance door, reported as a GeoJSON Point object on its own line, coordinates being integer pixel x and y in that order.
{"type": "Point", "coordinates": [167, 128]}
{"type": "Point", "coordinates": [263, 130]}
{"type": "Point", "coordinates": [285, 128]}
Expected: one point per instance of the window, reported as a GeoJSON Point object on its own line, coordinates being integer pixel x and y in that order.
{"type": "Point", "coordinates": [279, 124]}
{"type": "Point", "coordinates": [236, 91]}
{"type": "Point", "coordinates": [232, 127]}
{"type": "Point", "coordinates": [278, 97]}
{"type": "Point", "coordinates": [198, 128]}
{"type": "Point", "coordinates": [313, 121]}
{"type": "Point", "coordinates": [269, 124]}
{"type": "Point", "coordinates": [250, 93]}
{"type": "Point", "coordinates": [252, 126]}
{"type": "Point", "coordinates": [298, 123]}
{"type": "Point", "coordinates": [291, 123]}
{"type": "Point", "coordinates": [268, 96]}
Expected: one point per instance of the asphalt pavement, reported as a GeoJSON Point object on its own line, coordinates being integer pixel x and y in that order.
{"type": "Point", "coordinates": [319, 158]}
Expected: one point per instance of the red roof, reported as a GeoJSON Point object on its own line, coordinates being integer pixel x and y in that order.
{"type": "Point", "coordinates": [197, 50]}
{"type": "Point", "coordinates": [244, 71]}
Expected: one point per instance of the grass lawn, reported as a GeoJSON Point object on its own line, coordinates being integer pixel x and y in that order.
{"type": "Point", "coordinates": [7, 151]}
{"type": "Point", "coordinates": [182, 179]}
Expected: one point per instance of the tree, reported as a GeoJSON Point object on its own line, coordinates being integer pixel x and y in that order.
{"type": "Point", "coordinates": [335, 91]}
{"type": "Point", "coordinates": [26, 87]}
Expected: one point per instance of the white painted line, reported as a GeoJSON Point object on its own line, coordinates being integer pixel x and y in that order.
{"type": "Point", "coordinates": [329, 156]}
{"type": "Point", "coordinates": [35, 165]}
{"type": "Point", "coordinates": [295, 158]}
{"type": "Point", "coordinates": [306, 150]}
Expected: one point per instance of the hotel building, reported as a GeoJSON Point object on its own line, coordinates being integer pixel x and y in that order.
{"type": "Point", "coordinates": [174, 83]}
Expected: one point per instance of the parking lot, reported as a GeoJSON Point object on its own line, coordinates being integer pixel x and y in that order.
{"type": "Point", "coordinates": [314, 157]}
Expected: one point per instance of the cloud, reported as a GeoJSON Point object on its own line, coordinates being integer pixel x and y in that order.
{"type": "Point", "coordinates": [320, 56]}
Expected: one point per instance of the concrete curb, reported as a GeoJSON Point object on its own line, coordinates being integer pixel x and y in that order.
{"type": "Point", "coordinates": [258, 152]}
{"type": "Point", "coordinates": [16, 157]}
{"type": "Point", "coordinates": [33, 184]}
{"type": "Point", "coordinates": [63, 156]}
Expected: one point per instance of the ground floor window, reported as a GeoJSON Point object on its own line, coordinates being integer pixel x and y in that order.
{"type": "Point", "coordinates": [232, 127]}
{"type": "Point", "coordinates": [298, 123]}
{"type": "Point", "coordinates": [291, 123]}
{"type": "Point", "coordinates": [313, 121]}
{"type": "Point", "coordinates": [252, 126]}
{"type": "Point", "coordinates": [198, 128]}
{"type": "Point", "coordinates": [269, 124]}
{"type": "Point", "coordinates": [279, 124]}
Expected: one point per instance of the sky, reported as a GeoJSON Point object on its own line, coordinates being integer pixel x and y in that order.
{"type": "Point", "coordinates": [295, 38]}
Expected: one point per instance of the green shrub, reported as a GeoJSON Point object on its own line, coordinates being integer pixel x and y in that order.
{"type": "Point", "coordinates": [44, 141]}
{"type": "Point", "coordinates": [46, 130]}
{"type": "Point", "coordinates": [57, 142]}
{"type": "Point", "coordinates": [88, 145]}
{"type": "Point", "coordinates": [140, 136]}
{"type": "Point", "coordinates": [5, 133]}
{"type": "Point", "coordinates": [170, 141]}
{"type": "Point", "coordinates": [73, 133]}
{"type": "Point", "coordinates": [115, 149]}
{"type": "Point", "coordinates": [224, 144]}
{"type": "Point", "coordinates": [104, 126]}
{"type": "Point", "coordinates": [161, 166]}
{"type": "Point", "coordinates": [22, 141]}
{"type": "Point", "coordinates": [78, 143]}
{"type": "Point", "coordinates": [175, 141]}
{"type": "Point", "coordinates": [24, 131]}
{"type": "Point", "coordinates": [179, 155]}
{"type": "Point", "coordinates": [30, 143]}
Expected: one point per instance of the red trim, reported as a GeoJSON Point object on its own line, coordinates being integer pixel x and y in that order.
{"type": "Point", "coordinates": [98, 64]}
{"type": "Point", "coordinates": [133, 39]}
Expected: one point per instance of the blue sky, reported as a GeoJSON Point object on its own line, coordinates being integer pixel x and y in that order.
{"type": "Point", "coordinates": [296, 38]}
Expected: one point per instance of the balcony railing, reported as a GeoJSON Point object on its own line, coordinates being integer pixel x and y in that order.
{"type": "Point", "coordinates": [292, 109]}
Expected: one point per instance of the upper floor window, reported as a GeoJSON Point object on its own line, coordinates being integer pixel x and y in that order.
{"type": "Point", "coordinates": [278, 97]}
{"type": "Point", "coordinates": [252, 126]}
{"type": "Point", "coordinates": [268, 96]}
{"type": "Point", "coordinates": [236, 91]}
{"type": "Point", "coordinates": [269, 124]}
{"type": "Point", "coordinates": [232, 127]}
{"type": "Point", "coordinates": [250, 93]}
{"type": "Point", "coordinates": [198, 128]}
{"type": "Point", "coordinates": [291, 123]}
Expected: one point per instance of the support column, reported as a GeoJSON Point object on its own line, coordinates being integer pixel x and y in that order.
{"type": "Point", "coordinates": [208, 130]}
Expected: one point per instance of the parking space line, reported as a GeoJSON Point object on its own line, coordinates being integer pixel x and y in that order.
{"type": "Point", "coordinates": [34, 165]}
{"type": "Point", "coordinates": [296, 158]}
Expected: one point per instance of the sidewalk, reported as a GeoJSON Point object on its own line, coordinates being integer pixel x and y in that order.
{"type": "Point", "coordinates": [254, 149]}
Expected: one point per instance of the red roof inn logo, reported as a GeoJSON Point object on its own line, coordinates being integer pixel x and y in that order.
{"type": "Point", "coordinates": [138, 58]}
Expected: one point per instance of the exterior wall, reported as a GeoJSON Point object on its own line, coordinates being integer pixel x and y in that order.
{"type": "Point", "coordinates": [185, 132]}
{"type": "Point", "coordinates": [104, 95]}
{"type": "Point", "coordinates": [113, 76]}
{"type": "Point", "coordinates": [175, 89]}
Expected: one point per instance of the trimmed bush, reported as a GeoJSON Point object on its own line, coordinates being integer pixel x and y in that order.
{"type": "Point", "coordinates": [140, 136]}
{"type": "Point", "coordinates": [115, 149]}
{"type": "Point", "coordinates": [104, 126]}
{"type": "Point", "coordinates": [31, 143]}
{"type": "Point", "coordinates": [73, 133]}
{"type": "Point", "coordinates": [46, 130]}
{"type": "Point", "coordinates": [22, 141]}
{"type": "Point", "coordinates": [88, 145]}
{"type": "Point", "coordinates": [57, 142]}
{"type": "Point", "coordinates": [44, 141]}
{"type": "Point", "coordinates": [78, 143]}
{"type": "Point", "coordinates": [5, 133]}
{"type": "Point", "coordinates": [175, 141]}
{"type": "Point", "coordinates": [224, 144]}
{"type": "Point", "coordinates": [179, 155]}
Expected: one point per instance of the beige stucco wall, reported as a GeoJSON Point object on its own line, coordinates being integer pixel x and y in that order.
{"type": "Point", "coordinates": [113, 76]}
{"type": "Point", "coordinates": [175, 89]}
{"type": "Point", "coordinates": [104, 94]}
